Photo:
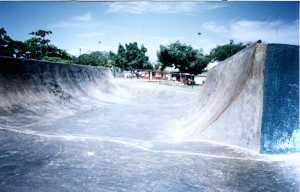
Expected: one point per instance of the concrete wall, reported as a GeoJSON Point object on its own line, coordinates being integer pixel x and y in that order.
{"type": "Point", "coordinates": [252, 100]}
{"type": "Point", "coordinates": [31, 81]}
{"type": "Point", "coordinates": [32, 91]}
{"type": "Point", "coordinates": [231, 112]}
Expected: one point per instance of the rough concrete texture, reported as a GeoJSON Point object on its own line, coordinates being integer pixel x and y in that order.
{"type": "Point", "coordinates": [230, 110]}
{"type": "Point", "coordinates": [75, 128]}
{"type": "Point", "coordinates": [249, 100]}
{"type": "Point", "coordinates": [32, 90]}
{"type": "Point", "coordinates": [280, 121]}
{"type": "Point", "coordinates": [31, 81]}
{"type": "Point", "coordinates": [252, 100]}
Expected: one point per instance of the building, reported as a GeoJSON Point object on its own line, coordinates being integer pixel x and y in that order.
{"type": "Point", "coordinates": [201, 78]}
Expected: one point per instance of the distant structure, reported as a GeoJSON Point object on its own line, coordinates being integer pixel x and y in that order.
{"type": "Point", "coordinates": [169, 74]}
{"type": "Point", "coordinates": [201, 78]}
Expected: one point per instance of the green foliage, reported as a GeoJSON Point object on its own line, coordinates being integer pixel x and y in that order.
{"type": "Point", "coordinates": [157, 66]}
{"type": "Point", "coordinates": [183, 57]}
{"type": "Point", "coordinates": [222, 52]}
{"type": "Point", "coordinates": [120, 58]}
{"type": "Point", "coordinates": [9, 47]}
{"type": "Point", "coordinates": [41, 34]}
{"type": "Point", "coordinates": [131, 57]}
{"type": "Point", "coordinates": [128, 57]}
{"type": "Point", "coordinates": [6, 47]}
{"type": "Point", "coordinates": [37, 47]}
{"type": "Point", "coordinates": [148, 66]}
{"type": "Point", "coordinates": [96, 58]}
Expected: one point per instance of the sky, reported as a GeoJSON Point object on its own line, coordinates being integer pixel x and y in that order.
{"type": "Point", "coordinates": [92, 26]}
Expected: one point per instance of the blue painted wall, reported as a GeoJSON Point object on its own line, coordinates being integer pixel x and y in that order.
{"type": "Point", "coordinates": [280, 119]}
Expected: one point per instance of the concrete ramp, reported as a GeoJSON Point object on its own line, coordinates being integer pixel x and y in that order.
{"type": "Point", "coordinates": [75, 128]}
{"type": "Point", "coordinates": [32, 90]}
{"type": "Point", "coordinates": [252, 100]}
{"type": "Point", "coordinates": [33, 81]}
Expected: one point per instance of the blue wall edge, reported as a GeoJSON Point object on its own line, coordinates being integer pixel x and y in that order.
{"type": "Point", "coordinates": [280, 131]}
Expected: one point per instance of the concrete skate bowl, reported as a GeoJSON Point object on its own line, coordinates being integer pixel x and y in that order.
{"type": "Point", "coordinates": [250, 100]}
{"type": "Point", "coordinates": [43, 97]}
{"type": "Point", "coordinates": [69, 127]}
{"type": "Point", "coordinates": [31, 89]}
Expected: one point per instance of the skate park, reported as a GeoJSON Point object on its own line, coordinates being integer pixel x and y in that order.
{"type": "Point", "coordinates": [149, 96]}
{"type": "Point", "coordinates": [80, 123]}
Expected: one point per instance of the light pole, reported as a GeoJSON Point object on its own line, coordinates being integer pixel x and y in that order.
{"type": "Point", "coordinates": [199, 34]}
{"type": "Point", "coordinates": [230, 46]}
{"type": "Point", "coordinates": [99, 42]}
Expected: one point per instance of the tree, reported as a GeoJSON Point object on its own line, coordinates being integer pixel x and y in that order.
{"type": "Point", "coordinates": [96, 58]}
{"type": "Point", "coordinates": [222, 52]}
{"type": "Point", "coordinates": [199, 65]}
{"type": "Point", "coordinates": [131, 57]}
{"type": "Point", "coordinates": [157, 66]}
{"type": "Point", "coordinates": [5, 41]}
{"type": "Point", "coordinates": [39, 47]}
{"type": "Point", "coordinates": [183, 57]}
{"type": "Point", "coordinates": [10, 47]}
{"type": "Point", "coordinates": [112, 59]}
{"type": "Point", "coordinates": [121, 59]}
{"type": "Point", "coordinates": [41, 34]}
{"type": "Point", "coordinates": [136, 56]}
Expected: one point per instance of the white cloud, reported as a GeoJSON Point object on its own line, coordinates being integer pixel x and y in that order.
{"type": "Point", "coordinates": [214, 34]}
{"type": "Point", "coordinates": [83, 18]}
{"type": "Point", "coordinates": [141, 7]}
{"type": "Point", "coordinates": [167, 40]}
{"type": "Point", "coordinates": [251, 30]}
{"type": "Point", "coordinates": [90, 35]}
{"type": "Point", "coordinates": [75, 21]}
{"type": "Point", "coordinates": [64, 24]}
{"type": "Point", "coordinates": [212, 27]}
